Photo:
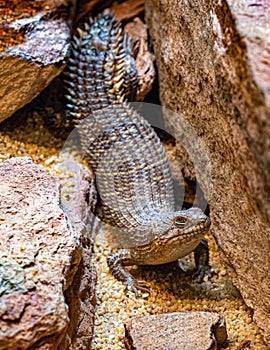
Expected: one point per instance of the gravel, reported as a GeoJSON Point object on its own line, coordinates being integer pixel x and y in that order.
{"type": "Point", "coordinates": [171, 289]}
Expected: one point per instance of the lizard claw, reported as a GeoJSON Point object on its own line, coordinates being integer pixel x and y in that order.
{"type": "Point", "coordinates": [201, 272]}
{"type": "Point", "coordinates": [137, 286]}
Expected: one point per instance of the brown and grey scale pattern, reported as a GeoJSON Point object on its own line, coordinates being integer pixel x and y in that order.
{"type": "Point", "coordinates": [132, 172]}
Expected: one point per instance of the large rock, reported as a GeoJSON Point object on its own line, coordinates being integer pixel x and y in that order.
{"type": "Point", "coordinates": [47, 280]}
{"type": "Point", "coordinates": [213, 62]}
{"type": "Point", "coordinates": [176, 331]}
{"type": "Point", "coordinates": [33, 47]}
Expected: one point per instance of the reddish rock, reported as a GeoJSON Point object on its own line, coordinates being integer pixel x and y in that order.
{"type": "Point", "coordinates": [137, 30]}
{"type": "Point", "coordinates": [176, 331]}
{"type": "Point", "coordinates": [33, 45]}
{"type": "Point", "coordinates": [43, 253]}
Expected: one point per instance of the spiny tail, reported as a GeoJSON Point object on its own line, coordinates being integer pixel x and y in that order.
{"type": "Point", "coordinates": [100, 56]}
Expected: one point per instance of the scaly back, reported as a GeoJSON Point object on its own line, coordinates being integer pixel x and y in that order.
{"type": "Point", "coordinates": [130, 164]}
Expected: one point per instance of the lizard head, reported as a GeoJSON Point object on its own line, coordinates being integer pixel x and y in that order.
{"type": "Point", "coordinates": [186, 230]}
{"type": "Point", "coordinates": [188, 225]}
{"type": "Point", "coordinates": [190, 220]}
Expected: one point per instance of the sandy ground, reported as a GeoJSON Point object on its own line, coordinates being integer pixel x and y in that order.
{"type": "Point", "coordinates": [171, 288]}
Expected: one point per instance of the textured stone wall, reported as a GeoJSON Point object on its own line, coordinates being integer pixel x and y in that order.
{"type": "Point", "coordinates": [213, 64]}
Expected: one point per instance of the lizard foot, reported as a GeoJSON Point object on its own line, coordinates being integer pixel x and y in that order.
{"type": "Point", "coordinates": [137, 286]}
{"type": "Point", "coordinates": [201, 272]}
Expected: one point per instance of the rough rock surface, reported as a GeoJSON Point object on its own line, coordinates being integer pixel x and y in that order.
{"type": "Point", "coordinates": [176, 331]}
{"type": "Point", "coordinates": [80, 295]}
{"type": "Point", "coordinates": [46, 276]}
{"type": "Point", "coordinates": [41, 34]}
{"type": "Point", "coordinates": [137, 30]}
{"type": "Point", "coordinates": [213, 65]}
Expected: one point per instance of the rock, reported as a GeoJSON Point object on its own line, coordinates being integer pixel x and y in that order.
{"type": "Point", "coordinates": [47, 280]}
{"type": "Point", "coordinates": [32, 50]}
{"type": "Point", "coordinates": [213, 71]}
{"type": "Point", "coordinates": [123, 11]}
{"type": "Point", "coordinates": [137, 30]}
{"type": "Point", "coordinates": [80, 295]}
{"type": "Point", "coordinates": [128, 9]}
{"type": "Point", "coordinates": [176, 331]}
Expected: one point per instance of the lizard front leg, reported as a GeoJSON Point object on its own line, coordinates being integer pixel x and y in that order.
{"type": "Point", "coordinates": [201, 255]}
{"type": "Point", "coordinates": [116, 262]}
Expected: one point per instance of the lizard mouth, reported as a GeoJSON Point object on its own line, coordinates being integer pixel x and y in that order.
{"type": "Point", "coordinates": [201, 227]}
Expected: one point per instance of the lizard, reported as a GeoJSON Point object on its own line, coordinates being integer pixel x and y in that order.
{"type": "Point", "coordinates": [129, 162]}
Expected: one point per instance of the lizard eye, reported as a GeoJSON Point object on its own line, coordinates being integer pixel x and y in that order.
{"type": "Point", "coordinates": [180, 221]}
